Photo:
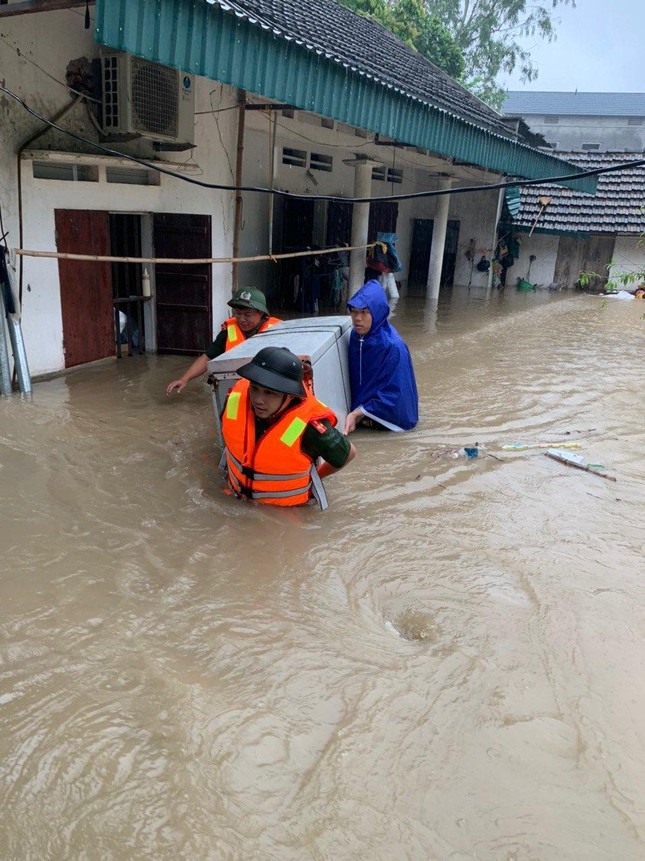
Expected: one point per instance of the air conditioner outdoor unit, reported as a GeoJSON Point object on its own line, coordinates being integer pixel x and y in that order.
{"type": "Point", "coordinates": [140, 97]}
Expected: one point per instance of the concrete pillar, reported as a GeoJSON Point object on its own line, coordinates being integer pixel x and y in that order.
{"type": "Point", "coordinates": [360, 219]}
{"type": "Point", "coordinates": [438, 240]}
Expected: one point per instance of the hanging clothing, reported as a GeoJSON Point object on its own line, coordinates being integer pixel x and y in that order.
{"type": "Point", "coordinates": [272, 469]}
{"type": "Point", "coordinates": [380, 367]}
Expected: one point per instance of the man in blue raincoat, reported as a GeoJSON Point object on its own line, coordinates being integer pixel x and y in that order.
{"type": "Point", "coordinates": [384, 390]}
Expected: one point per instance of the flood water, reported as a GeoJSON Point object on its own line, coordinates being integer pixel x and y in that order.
{"type": "Point", "coordinates": [447, 664]}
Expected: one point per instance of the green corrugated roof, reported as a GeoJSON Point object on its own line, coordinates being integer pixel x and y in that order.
{"type": "Point", "coordinates": [227, 43]}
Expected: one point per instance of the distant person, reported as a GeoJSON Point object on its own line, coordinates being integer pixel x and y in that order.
{"type": "Point", "coordinates": [384, 390]}
{"type": "Point", "coordinates": [279, 439]}
{"type": "Point", "coordinates": [250, 316]}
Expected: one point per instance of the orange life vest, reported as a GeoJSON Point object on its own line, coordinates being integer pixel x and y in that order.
{"type": "Point", "coordinates": [235, 336]}
{"type": "Point", "coordinates": [273, 470]}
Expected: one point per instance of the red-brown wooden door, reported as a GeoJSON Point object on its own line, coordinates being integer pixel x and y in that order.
{"type": "Point", "coordinates": [85, 286]}
{"type": "Point", "coordinates": [184, 315]}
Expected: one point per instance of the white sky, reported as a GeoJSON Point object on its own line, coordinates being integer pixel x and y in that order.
{"type": "Point", "coordinates": [600, 47]}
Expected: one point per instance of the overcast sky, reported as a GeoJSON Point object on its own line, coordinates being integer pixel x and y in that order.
{"type": "Point", "coordinates": [600, 48]}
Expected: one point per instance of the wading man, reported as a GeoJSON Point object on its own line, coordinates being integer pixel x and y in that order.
{"type": "Point", "coordinates": [250, 316]}
{"type": "Point", "coordinates": [280, 441]}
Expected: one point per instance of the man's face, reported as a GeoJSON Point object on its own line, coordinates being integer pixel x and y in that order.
{"type": "Point", "coordinates": [361, 320]}
{"type": "Point", "coordinates": [247, 318]}
{"type": "Point", "coordinates": [265, 402]}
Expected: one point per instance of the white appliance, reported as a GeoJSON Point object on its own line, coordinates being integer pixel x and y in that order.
{"type": "Point", "coordinates": [321, 340]}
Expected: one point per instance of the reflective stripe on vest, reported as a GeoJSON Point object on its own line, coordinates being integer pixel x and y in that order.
{"type": "Point", "coordinates": [231, 333]}
{"type": "Point", "coordinates": [272, 469]}
{"type": "Point", "coordinates": [262, 476]}
{"type": "Point", "coordinates": [232, 405]}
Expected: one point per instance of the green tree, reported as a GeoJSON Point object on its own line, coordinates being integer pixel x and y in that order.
{"type": "Point", "coordinates": [488, 32]}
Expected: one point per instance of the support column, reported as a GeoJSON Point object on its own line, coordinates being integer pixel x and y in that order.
{"type": "Point", "coordinates": [438, 240]}
{"type": "Point", "coordinates": [360, 218]}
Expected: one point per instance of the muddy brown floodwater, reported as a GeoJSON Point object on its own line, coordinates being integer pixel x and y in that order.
{"type": "Point", "coordinates": [448, 664]}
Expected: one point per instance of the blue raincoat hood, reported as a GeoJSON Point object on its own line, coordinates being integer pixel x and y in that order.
{"type": "Point", "coordinates": [380, 368]}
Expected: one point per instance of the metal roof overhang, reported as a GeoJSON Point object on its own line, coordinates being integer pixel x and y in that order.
{"type": "Point", "coordinates": [203, 39]}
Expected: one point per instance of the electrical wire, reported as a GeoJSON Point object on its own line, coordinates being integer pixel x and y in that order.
{"type": "Point", "coordinates": [515, 183]}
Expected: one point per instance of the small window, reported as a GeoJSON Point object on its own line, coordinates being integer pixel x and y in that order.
{"type": "Point", "coordinates": [131, 176]}
{"type": "Point", "coordinates": [327, 123]}
{"type": "Point", "coordinates": [634, 121]}
{"type": "Point", "coordinates": [294, 157]}
{"type": "Point", "coordinates": [551, 121]}
{"type": "Point", "coordinates": [590, 146]}
{"type": "Point", "coordinates": [378, 173]}
{"type": "Point", "coordinates": [394, 174]}
{"type": "Point", "coordinates": [65, 171]}
{"type": "Point", "coordinates": [318, 161]}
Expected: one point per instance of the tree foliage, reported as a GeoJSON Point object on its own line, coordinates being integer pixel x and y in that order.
{"type": "Point", "coordinates": [474, 41]}
{"type": "Point", "coordinates": [418, 28]}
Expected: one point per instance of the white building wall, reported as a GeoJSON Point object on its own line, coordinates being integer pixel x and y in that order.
{"type": "Point", "coordinates": [52, 39]}
{"type": "Point", "coordinates": [629, 256]}
{"type": "Point", "coordinates": [542, 270]}
{"type": "Point", "coordinates": [612, 134]}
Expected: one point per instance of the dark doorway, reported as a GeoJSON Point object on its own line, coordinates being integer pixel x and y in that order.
{"type": "Point", "coordinates": [125, 241]}
{"type": "Point", "coordinates": [339, 223]}
{"type": "Point", "coordinates": [184, 315]}
{"type": "Point", "coordinates": [422, 230]}
{"type": "Point", "coordinates": [383, 218]}
{"type": "Point", "coordinates": [85, 286]}
{"type": "Point", "coordinates": [294, 225]}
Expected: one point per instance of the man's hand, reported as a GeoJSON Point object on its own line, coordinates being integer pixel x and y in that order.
{"type": "Point", "coordinates": [352, 420]}
{"type": "Point", "coordinates": [179, 385]}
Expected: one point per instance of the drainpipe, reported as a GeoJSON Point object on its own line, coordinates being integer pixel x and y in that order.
{"type": "Point", "coordinates": [239, 200]}
{"type": "Point", "coordinates": [439, 229]}
{"type": "Point", "coordinates": [360, 219]}
{"type": "Point", "coordinates": [5, 372]}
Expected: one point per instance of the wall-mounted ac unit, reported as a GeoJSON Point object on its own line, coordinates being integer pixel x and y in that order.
{"type": "Point", "coordinates": [140, 97]}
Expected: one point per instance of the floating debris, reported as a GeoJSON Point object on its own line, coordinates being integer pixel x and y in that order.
{"type": "Point", "coordinates": [577, 461]}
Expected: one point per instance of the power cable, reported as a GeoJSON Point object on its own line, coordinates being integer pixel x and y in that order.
{"type": "Point", "coordinates": [516, 183]}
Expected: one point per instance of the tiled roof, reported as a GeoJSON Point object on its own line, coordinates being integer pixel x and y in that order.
{"type": "Point", "coordinates": [618, 206]}
{"type": "Point", "coordinates": [367, 47]}
{"type": "Point", "coordinates": [522, 102]}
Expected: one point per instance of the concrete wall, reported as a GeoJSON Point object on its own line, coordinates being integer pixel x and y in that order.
{"type": "Point", "coordinates": [52, 39]}
{"type": "Point", "coordinates": [629, 256]}
{"type": "Point", "coordinates": [614, 134]}
{"type": "Point", "coordinates": [545, 248]}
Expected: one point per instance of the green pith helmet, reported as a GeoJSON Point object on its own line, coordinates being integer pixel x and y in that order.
{"type": "Point", "coordinates": [249, 297]}
{"type": "Point", "coordinates": [275, 368]}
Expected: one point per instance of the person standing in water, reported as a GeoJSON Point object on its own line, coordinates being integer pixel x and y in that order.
{"type": "Point", "coordinates": [250, 316]}
{"type": "Point", "coordinates": [279, 440]}
{"type": "Point", "coordinates": [383, 385]}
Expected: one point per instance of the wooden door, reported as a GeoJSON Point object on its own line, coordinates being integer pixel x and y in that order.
{"type": "Point", "coordinates": [184, 307]}
{"type": "Point", "coordinates": [85, 286]}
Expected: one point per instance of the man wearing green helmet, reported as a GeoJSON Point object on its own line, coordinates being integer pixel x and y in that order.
{"type": "Point", "coordinates": [250, 316]}
{"type": "Point", "coordinates": [280, 441]}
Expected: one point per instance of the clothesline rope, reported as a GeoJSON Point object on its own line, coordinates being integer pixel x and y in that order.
{"type": "Point", "coordinates": [186, 261]}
